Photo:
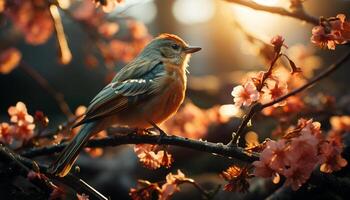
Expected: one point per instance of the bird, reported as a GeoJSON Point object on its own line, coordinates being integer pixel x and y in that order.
{"type": "Point", "coordinates": [143, 94]}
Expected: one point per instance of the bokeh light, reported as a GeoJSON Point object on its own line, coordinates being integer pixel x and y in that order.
{"type": "Point", "coordinates": [230, 110]}
{"type": "Point", "coordinates": [193, 11]}
{"type": "Point", "coordinates": [136, 8]}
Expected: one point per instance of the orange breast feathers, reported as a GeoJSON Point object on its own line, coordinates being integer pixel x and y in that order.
{"type": "Point", "coordinates": [172, 96]}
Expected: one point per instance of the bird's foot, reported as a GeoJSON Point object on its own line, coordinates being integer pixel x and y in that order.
{"type": "Point", "coordinates": [162, 134]}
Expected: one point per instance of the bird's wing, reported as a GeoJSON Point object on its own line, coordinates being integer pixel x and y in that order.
{"type": "Point", "coordinates": [136, 69]}
{"type": "Point", "coordinates": [117, 96]}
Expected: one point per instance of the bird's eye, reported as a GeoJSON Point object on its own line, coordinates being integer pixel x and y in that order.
{"type": "Point", "coordinates": [175, 46]}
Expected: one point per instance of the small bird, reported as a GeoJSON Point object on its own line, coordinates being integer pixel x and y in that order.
{"type": "Point", "coordinates": [146, 92]}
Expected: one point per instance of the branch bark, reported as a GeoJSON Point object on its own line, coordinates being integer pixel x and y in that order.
{"type": "Point", "coordinates": [115, 140]}
{"type": "Point", "coordinates": [70, 180]}
{"type": "Point", "coordinates": [300, 14]}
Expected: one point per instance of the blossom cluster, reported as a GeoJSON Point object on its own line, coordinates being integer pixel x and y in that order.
{"type": "Point", "coordinates": [298, 153]}
{"type": "Point", "coordinates": [36, 21]}
{"type": "Point", "coordinates": [112, 49]}
{"type": "Point", "coordinates": [266, 86]}
{"type": "Point", "coordinates": [331, 32]}
{"type": "Point", "coordinates": [21, 126]}
{"type": "Point", "coordinates": [152, 158]}
{"type": "Point", "coordinates": [147, 190]}
{"type": "Point", "coordinates": [260, 89]}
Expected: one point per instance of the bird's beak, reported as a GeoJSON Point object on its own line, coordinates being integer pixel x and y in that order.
{"type": "Point", "coordinates": [191, 49]}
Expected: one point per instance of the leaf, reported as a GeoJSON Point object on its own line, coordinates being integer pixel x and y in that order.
{"type": "Point", "coordinates": [295, 69]}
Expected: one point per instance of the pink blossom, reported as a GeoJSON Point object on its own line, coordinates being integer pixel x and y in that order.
{"type": "Point", "coordinates": [272, 159]}
{"type": "Point", "coordinates": [303, 151]}
{"type": "Point", "coordinates": [273, 90]}
{"type": "Point", "coordinates": [333, 161]}
{"type": "Point", "coordinates": [245, 95]}
{"type": "Point", "coordinates": [151, 159]}
{"type": "Point", "coordinates": [277, 41]}
{"type": "Point", "coordinates": [323, 39]}
{"type": "Point", "coordinates": [296, 176]}
{"type": "Point", "coordinates": [6, 133]}
{"type": "Point", "coordinates": [19, 113]}
{"type": "Point", "coordinates": [171, 185]}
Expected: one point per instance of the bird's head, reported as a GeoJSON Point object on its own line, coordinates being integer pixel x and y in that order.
{"type": "Point", "coordinates": [169, 48]}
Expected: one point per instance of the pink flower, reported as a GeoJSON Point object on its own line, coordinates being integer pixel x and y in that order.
{"type": "Point", "coordinates": [303, 151]}
{"type": "Point", "coordinates": [32, 20]}
{"type": "Point", "coordinates": [245, 95]}
{"type": "Point", "coordinates": [171, 185]}
{"type": "Point", "coordinates": [272, 159]}
{"type": "Point", "coordinates": [150, 159]}
{"type": "Point", "coordinates": [331, 31]}
{"type": "Point", "coordinates": [24, 128]}
{"type": "Point", "coordinates": [19, 113]}
{"type": "Point", "coordinates": [296, 176]}
{"type": "Point", "coordinates": [6, 133]}
{"type": "Point", "coordinates": [273, 90]}
{"type": "Point", "coordinates": [333, 161]}
{"type": "Point", "coordinates": [323, 39]}
{"type": "Point", "coordinates": [277, 41]}
{"type": "Point", "coordinates": [24, 131]}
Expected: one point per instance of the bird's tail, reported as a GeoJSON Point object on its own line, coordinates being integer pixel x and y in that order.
{"type": "Point", "coordinates": [68, 156]}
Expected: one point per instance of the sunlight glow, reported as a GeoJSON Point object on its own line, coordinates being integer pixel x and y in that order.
{"type": "Point", "coordinates": [193, 11]}
{"type": "Point", "coordinates": [267, 2]}
{"type": "Point", "coordinates": [230, 110]}
{"type": "Point", "coordinates": [136, 9]}
{"type": "Point", "coordinates": [261, 24]}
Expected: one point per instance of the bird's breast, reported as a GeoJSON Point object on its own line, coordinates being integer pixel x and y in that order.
{"type": "Point", "coordinates": [169, 100]}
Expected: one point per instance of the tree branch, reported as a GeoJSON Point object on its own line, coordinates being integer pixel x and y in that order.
{"type": "Point", "coordinates": [299, 14]}
{"type": "Point", "coordinates": [257, 107]}
{"type": "Point", "coordinates": [115, 140]}
{"type": "Point", "coordinates": [70, 180]}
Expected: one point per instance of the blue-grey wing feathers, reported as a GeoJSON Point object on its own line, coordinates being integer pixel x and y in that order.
{"type": "Point", "coordinates": [117, 96]}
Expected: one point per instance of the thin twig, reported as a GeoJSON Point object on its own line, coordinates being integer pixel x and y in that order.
{"type": "Point", "coordinates": [299, 14]}
{"type": "Point", "coordinates": [259, 107]}
{"type": "Point", "coordinates": [70, 180]}
{"type": "Point", "coordinates": [203, 192]}
{"type": "Point", "coordinates": [255, 107]}
{"type": "Point", "coordinates": [40, 80]}
{"type": "Point", "coordinates": [204, 146]}
{"type": "Point", "coordinates": [310, 83]}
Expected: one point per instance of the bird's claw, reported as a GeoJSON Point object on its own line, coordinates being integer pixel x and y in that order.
{"type": "Point", "coordinates": [162, 134]}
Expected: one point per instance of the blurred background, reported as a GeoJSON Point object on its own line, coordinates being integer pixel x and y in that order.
{"type": "Point", "coordinates": [219, 27]}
